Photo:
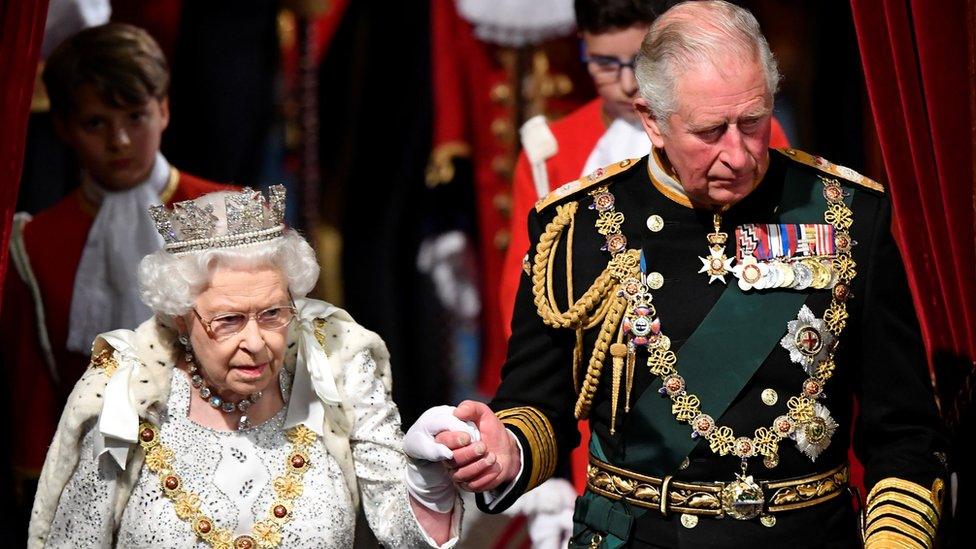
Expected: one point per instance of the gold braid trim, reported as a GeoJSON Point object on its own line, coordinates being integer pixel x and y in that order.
{"type": "Point", "coordinates": [891, 540]}
{"type": "Point", "coordinates": [610, 323]}
{"type": "Point", "coordinates": [882, 513]}
{"type": "Point", "coordinates": [535, 426]}
{"type": "Point", "coordinates": [597, 305]}
{"type": "Point", "coordinates": [890, 528]}
{"type": "Point", "coordinates": [901, 513]}
{"type": "Point", "coordinates": [542, 291]}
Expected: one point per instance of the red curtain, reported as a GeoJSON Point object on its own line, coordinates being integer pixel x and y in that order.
{"type": "Point", "coordinates": [918, 67]}
{"type": "Point", "coordinates": [21, 33]}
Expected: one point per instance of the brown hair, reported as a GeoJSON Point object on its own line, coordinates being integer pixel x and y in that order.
{"type": "Point", "coordinates": [123, 63]}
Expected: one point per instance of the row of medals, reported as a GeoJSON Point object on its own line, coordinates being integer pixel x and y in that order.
{"type": "Point", "coordinates": [797, 274]}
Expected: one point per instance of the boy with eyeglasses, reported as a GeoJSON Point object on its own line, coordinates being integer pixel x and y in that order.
{"type": "Point", "coordinates": [74, 264]}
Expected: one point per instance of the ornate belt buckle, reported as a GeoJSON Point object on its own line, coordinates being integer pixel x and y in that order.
{"type": "Point", "coordinates": [743, 498]}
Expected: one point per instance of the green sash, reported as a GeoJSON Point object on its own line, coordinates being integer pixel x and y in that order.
{"type": "Point", "coordinates": [722, 354]}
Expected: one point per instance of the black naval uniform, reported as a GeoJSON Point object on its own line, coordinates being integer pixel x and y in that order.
{"type": "Point", "coordinates": [880, 363]}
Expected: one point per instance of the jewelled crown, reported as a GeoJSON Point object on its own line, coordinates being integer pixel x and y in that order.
{"type": "Point", "coordinates": [250, 218]}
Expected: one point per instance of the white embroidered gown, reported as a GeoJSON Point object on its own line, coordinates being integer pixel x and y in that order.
{"type": "Point", "coordinates": [233, 472]}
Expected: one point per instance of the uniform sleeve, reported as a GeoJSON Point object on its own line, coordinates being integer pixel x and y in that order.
{"type": "Point", "coordinates": [377, 444]}
{"type": "Point", "coordinates": [536, 397]}
{"type": "Point", "coordinates": [898, 434]}
{"type": "Point", "coordinates": [84, 516]}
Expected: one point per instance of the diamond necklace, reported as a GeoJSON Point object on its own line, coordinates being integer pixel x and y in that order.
{"type": "Point", "coordinates": [215, 401]}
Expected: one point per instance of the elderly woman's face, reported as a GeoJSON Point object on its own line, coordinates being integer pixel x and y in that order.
{"type": "Point", "coordinates": [249, 360]}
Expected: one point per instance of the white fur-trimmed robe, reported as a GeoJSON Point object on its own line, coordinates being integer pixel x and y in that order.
{"type": "Point", "coordinates": [342, 340]}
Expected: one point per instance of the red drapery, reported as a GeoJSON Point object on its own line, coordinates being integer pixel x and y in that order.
{"type": "Point", "coordinates": [918, 66]}
{"type": "Point", "coordinates": [21, 32]}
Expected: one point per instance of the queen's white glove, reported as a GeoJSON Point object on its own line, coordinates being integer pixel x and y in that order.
{"type": "Point", "coordinates": [428, 481]}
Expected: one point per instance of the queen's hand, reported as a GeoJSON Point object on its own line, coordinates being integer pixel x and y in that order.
{"type": "Point", "coordinates": [428, 479]}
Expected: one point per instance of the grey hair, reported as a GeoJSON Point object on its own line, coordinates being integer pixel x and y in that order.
{"type": "Point", "coordinates": [692, 33]}
{"type": "Point", "coordinates": [169, 284]}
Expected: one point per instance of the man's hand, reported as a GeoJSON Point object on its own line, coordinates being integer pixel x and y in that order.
{"type": "Point", "coordinates": [484, 464]}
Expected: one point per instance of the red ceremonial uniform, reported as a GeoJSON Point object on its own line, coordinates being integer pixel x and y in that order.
{"type": "Point", "coordinates": [576, 135]}
{"type": "Point", "coordinates": [52, 243]}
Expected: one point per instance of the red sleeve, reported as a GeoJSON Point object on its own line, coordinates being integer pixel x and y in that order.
{"type": "Point", "coordinates": [26, 373]}
{"type": "Point", "coordinates": [447, 55]}
{"type": "Point", "coordinates": [524, 197]}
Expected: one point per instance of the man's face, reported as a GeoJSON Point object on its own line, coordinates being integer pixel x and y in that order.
{"type": "Point", "coordinates": [622, 45]}
{"type": "Point", "coordinates": [718, 140]}
{"type": "Point", "coordinates": [116, 146]}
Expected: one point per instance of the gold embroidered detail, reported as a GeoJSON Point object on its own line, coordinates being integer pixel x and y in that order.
{"type": "Point", "coordinates": [440, 166]}
{"type": "Point", "coordinates": [535, 427]}
{"type": "Point", "coordinates": [704, 498]}
{"type": "Point", "coordinates": [106, 361]}
{"type": "Point", "coordinates": [584, 183]}
{"type": "Point", "coordinates": [265, 533]}
{"type": "Point", "coordinates": [831, 168]}
{"type": "Point", "coordinates": [820, 488]}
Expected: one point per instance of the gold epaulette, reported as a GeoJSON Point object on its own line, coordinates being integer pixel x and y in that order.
{"type": "Point", "coordinates": [536, 428]}
{"type": "Point", "coordinates": [902, 514]}
{"type": "Point", "coordinates": [585, 182]}
{"type": "Point", "coordinates": [836, 170]}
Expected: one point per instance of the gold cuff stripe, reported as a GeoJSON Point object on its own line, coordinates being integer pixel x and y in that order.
{"type": "Point", "coordinates": [891, 540]}
{"type": "Point", "coordinates": [903, 502]}
{"type": "Point", "coordinates": [920, 538]}
{"type": "Point", "coordinates": [897, 512]}
{"type": "Point", "coordinates": [931, 497]}
{"type": "Point", "coordinates": [535, 427]}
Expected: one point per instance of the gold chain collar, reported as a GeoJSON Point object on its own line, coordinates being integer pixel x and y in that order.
{"type": "Point", "coordinates": [266, 533]}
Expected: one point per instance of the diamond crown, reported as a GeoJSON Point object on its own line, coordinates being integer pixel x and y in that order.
{"type": "Point", "coordinates": [250, 218]}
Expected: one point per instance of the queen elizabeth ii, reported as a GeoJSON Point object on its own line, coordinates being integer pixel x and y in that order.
{"type": "Point", "coordinates": [241, 414]}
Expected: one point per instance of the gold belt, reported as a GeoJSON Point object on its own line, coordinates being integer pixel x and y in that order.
{"type": "Point", "coordinates": [711, 498]}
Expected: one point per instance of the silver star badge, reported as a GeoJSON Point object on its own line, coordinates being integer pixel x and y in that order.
{"type": "Point", "coordinates": [807, 339]}
{"type": "Point", "coordinates": [813, 436]}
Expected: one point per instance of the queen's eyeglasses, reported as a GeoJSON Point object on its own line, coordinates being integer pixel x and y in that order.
{"type": "Point", "coordinates": [228, 324]}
